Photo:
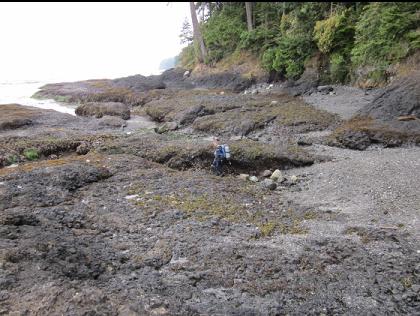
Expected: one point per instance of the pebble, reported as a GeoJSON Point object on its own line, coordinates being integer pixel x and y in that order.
{"type": "Point", "coordinates": [253, 179]}
{"type": "Point", "coordinates": [130, 197]}
{"type": "Point", "coordinates": [267, 173]}
{"type": "Point", "coordinates": [243, 176]}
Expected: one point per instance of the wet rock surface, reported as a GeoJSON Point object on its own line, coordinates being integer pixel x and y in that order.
{"type": "Point", "coordinates": [139, 225]}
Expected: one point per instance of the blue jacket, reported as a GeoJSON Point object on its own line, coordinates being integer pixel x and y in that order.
{"type": "Point", "coordinates": [219, 153]}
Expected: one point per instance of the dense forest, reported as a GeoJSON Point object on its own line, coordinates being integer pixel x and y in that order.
{"type": "Point", "coordinates": [346, 36]}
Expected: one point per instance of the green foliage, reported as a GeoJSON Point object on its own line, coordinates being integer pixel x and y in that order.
{"type": "Point", "coordinates": [31, 154]}
{"type": "Point", "coordinates": [338, 68]}
{"type": "Point", "coordinates": [334, 32]}
{"type": "Point", "coordinates": [294, 41]}
{"type": "Point", "coordinates": [268, 58]}
{"type": "Point", "coordinates": [186, 58]}
{"type": "Point", "coordinates": [222, 32]}
{"type": "Point", "coordinates": [291, 54]}
{"type": "Point", "coordinates": [386, 32]}
{"type": "Point", "coordinates": [286, 34]}
{"type": "Point", "coordinates": [258, 39]}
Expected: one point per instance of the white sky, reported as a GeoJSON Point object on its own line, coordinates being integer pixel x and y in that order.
{"type": "Point", "coordinates": [78, 41]}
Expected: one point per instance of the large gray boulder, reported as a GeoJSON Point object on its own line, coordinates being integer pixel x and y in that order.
{"type": "Point", "coordinates": [400, 98]}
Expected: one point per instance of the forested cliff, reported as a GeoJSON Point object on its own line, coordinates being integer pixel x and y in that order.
{"type": "Point", "coordinates": [347, 42]}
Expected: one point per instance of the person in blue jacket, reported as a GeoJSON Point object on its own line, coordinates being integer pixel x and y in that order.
{"type": "Point", "coordinates": [217, 164]}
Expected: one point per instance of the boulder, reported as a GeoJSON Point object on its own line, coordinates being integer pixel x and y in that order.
{"type": "Point", "coordinates": [112, 121]}
{"type": "Point", "coordinates": [277, 175]}
{"type": "Point", "coordinates": [325, 89]}
{"type": "Point", "coordinates": [401, 98]}
{"type": "Point", "coordinates": [100, 109]}
{"type": "Point", "coordinates": [266, 173]}
{"type": "Point", "coordinates": [253, 179]}
{"type": "Point", "coordinates": [269, 184]}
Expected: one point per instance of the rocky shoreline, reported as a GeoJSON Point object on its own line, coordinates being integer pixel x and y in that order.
{"type": "Point", "coordinates": [116, 212]}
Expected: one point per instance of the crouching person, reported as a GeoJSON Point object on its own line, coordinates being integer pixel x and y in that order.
{"type": "Point", "coordinates": [221, 154]}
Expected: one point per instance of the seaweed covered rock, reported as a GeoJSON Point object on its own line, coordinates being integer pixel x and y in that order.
{"type": "Point", "coordinates": [112, 121]}
{"type": "Point", "coordinates": [99, 109]}
{"type": "Point", "coordinates": [14, 116]}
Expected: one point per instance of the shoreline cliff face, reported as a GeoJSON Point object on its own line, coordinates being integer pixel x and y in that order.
{"type": "Point", "coordinates": [109, 213]}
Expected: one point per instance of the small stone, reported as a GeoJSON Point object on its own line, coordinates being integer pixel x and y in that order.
{"type": "Point", "coordinates": [129, 197]}
{"type": "Point", "coordinates": [222, 92]}
{"type": "Point", "coordinates": [277, 175]}
{"type": "Point", "coordinates": [325, 89]}
{"type": "Point", "coordinates": [266, 173]}
{"type": "Point", "coordinates": [52, 157]}
{"type": "Point", "coordinates": [293, 179]}
{"type": "Point", "coordinates": [304, 142]}
{"type": "Point", "coordinates": [243, 176]}
{"type": "Point", "coordinates": [274, 102]}
{"type": "Point", "coordinates": [186, 74]}
{"type": "Point", "coordinates": [270, 184]}
{"type": "Point", "coordinates": [253, 179]}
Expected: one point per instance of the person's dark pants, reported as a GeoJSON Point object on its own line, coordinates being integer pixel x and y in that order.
{"type": "Point", "coordinates": [217, 166]}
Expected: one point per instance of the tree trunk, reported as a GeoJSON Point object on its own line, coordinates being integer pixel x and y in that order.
{"type": "Point", "coordinates": [198, 39]}
{"type": "Point", "coordinates": [248, 8]}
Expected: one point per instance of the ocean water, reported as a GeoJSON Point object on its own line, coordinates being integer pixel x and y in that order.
{"type": "Point", "coordinates": [20, 92]}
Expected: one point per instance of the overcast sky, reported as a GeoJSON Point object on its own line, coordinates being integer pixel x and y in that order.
{"type": "Point", "coordinates": [77, 41]}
